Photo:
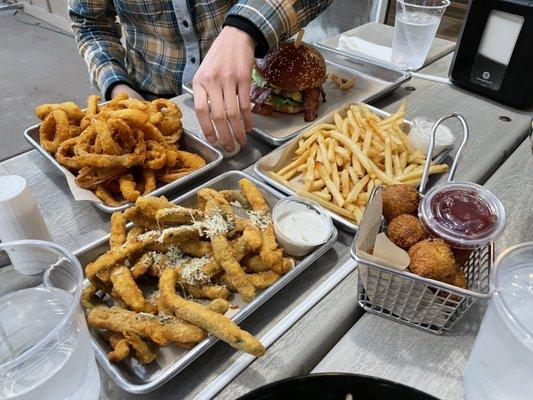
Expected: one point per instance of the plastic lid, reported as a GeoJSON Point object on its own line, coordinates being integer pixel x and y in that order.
{"type": "Point", "coordinates": [422, 126]}
{"type": "Point", "coordinates": [464, 214]}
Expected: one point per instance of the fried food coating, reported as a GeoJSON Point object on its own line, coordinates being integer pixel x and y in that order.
{"type": "Point", "coordinates": [405, 230]}
{"type": "Point", "coordinates": [399, 199]}
{"type": "Point", "coordinates": [144, 352]}
{"type": "Point", "coordinates": [161, 330]}
{"type": "Point", "coordinates": [216, 324]}
{"type": "Point", "coordinates": [120, 345]}
{"type": "Point", "coordinates": [117, 236]}
{"type": "Point", "coordinates": [126, 288]}
{"type": "Point", "coordinates": [433, 259]}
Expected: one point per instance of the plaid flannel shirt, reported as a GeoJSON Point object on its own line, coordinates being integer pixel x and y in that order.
{"type": "Point", "coordinates": [165, 40]}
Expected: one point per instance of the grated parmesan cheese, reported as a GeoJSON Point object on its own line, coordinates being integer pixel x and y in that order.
{"type": "Point", "coordinates": [148, 235]}
{"type": "Point", "coordinates": [212, 226]}
{"type": "Point", "coordinates": [260, 219]}
{"type": "Point", "coordinates": [191, 270]}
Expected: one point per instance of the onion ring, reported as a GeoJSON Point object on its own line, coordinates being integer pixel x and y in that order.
{"type": "Point", "coordinates": [71, 109]}
{"type": "Point", "coordinates": [54, 130]}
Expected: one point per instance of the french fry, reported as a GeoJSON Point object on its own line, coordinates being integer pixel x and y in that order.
{"type": "Point", "coordinates": [434, 169]}
{"type": "Point", "coordinates": [339, 210]}
{"type": "Point", "coordinates": [309, 174]}
{"type": "Point", "coordinates": [345, 182]}
{"type": "Point", "coordinates": [335, 175]}
{"type": "Point", "coordinates": [323, 153]}
{"type": "Point", "coordinates": [396, 165]}
{"type": "Point", "coordinates": [388, 158]}
{"type": "Point", "coordinates": [322, 195]}
{"type": "Point", "coordinates": [331, 150]}
{"type": "Point", "coordinates": [331, 185]}
{"type": "Point", "coordinates": [403, 160]}
{"type": "Point", "coordinates": [317, 128]}
{"type": "Point", "coordinates": [293, 165]}
{"type": "Point", "coordinates": [358, 187]}
{"type": "Point", "coordinates": [365, 161]}
{"type": "Point", "coordinates": [368, 141]}
{"type": "Point", "coordinates": [345, 154]}
{"type": "Point", "coordinates": [317, 185]}
{"type": "Point", "coordinates": [338, 160]}
{"type": "Point", "coordinates": [353, 174]}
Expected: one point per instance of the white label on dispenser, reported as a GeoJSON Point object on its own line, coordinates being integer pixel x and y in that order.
{"type": "Point", "coordinates": [500, 36]}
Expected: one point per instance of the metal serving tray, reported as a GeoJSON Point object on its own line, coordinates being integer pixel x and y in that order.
{"type": "Point", "coordinates": [338, 219]}
{"type": "Point", "coordinates": [137, 378]}
{"type": "Point", "coordinates": [372, 82]}
{"type": "Point", "coordinates": [190, 142]}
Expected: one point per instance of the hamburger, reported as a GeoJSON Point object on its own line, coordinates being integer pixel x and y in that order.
{"type": "Point", "coordinates": [289, 80]}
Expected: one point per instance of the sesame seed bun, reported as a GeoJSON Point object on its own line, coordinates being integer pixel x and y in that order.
{"type": "Point", "coordinates": [293, 68]}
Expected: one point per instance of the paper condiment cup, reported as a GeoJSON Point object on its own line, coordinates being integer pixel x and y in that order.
{"type": "Point", "coordinates": [295, 235]}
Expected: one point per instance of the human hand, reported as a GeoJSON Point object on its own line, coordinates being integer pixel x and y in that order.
{"type": "Point", "coordinates": [121, 87]}
{"type": "Point", "coordinates": [223, 79]}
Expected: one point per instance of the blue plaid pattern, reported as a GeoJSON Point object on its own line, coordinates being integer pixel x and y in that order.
{"type": "Point", "coordinates": [146, 50]}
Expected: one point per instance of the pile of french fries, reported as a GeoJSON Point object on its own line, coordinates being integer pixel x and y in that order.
{"type": "Point", "coordinates": [338, 164]}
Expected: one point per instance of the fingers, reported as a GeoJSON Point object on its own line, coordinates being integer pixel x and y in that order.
{"type": "Point", "coordinates": [201, 107]}
{"type": "Point", "coordinates": [245, 106]}
{"type": "Point", "coordinates": [233, 113]}
{"type": "Point", "coordinates": [219, 117]}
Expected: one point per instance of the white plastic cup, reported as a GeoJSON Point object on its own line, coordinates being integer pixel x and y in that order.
{"type": "Point", "coordinates": [415, 26]}
{"type": "Point", "coordinates": [20, 218]}
{"type": "Point", "coordinates": [420, 132]}
{"type": "Point", "coordinates": [295, 205]}
{"type": "Point", "coordinates": [501, 363]}
{"type": "Point", "coordinates": [45, 346]}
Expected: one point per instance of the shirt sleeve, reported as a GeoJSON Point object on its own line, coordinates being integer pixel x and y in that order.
{"type": "Point", "coordinates": [278, 19]}
{"type": "Point", "coordinates": [98, 37]}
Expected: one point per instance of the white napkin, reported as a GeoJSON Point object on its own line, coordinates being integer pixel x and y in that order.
{"type": "Point", "coordinates": [353, 44]}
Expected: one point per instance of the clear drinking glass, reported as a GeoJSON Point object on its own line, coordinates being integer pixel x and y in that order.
{"type": "Point", "coordinates": [501, 363]}
{"type": "Point", "coordinates": [45, 349]}
{"type": "Point", "coordinates": [414, 29]}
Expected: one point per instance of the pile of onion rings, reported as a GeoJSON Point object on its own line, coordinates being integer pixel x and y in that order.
{"type": "Point", "coordinates": [121, 149]}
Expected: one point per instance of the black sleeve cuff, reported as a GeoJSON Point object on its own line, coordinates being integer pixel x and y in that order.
{"type": "Point", "coordinates": [244, 25]}
{"type": "Point", "coordinates": [107, 92]}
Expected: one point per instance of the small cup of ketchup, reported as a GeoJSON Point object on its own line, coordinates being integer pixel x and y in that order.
{"type": "Point", "coordinates": [464, 214]}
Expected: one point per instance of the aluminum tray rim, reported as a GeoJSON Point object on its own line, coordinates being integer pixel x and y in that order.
{"type": "Point", "coordinates": [157, 192]}
{"type": "Point", "coordinates": [113, 370]}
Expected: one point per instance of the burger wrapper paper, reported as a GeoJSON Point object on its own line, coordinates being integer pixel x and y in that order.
{"type": "Point", "coordinates": [401, 295]}
{"type": "Point", "coordinates": [79, 194]}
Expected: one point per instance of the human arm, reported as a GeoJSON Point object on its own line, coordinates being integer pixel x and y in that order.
{"type": "Point", "coordinates": [98, 37]}
{"type": "Point", "coordinates": [224, 76]}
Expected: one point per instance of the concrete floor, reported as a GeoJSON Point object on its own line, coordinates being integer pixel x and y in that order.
{"type": "Point", "coordinates": [36, 66]}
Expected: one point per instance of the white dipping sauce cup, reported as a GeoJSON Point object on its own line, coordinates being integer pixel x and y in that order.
{"type": "Point", "coordinates": [305, 234]}
{"type": "Point", "coordinates": [419, 136]}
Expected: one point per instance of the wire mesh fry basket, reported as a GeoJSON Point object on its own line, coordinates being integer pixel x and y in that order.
{"type": "Point", "coordinates": [402, 296]}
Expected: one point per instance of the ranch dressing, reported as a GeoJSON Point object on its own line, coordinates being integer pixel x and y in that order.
{"type": "Point", "coordinates": [304, 226]}
{"type": "Point", "coordinates": [300, 225]}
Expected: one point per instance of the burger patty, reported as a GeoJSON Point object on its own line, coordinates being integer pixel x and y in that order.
{"type": "Point", "coordinates": [312, 102]}
{"type": "Point", "coordinates": [263, 105]}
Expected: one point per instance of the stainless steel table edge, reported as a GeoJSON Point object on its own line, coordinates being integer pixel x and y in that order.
{"type": "Point", "coordinates": [209, 153]}
{"type": "Point", "coordinates": [114, 371]}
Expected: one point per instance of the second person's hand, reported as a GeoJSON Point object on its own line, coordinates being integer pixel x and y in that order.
{"type": "Point", "coordinates": [222, 88]}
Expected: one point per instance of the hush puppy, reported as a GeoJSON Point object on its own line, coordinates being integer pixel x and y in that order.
{"type": "Point", "coordinates": [406, 230]}
{"type": "Point", "coordinates": [433, 258]}
{"type": "Point", "coordinates": [399, 199]}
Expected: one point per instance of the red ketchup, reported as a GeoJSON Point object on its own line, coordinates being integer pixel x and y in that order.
{"type": "Point", "coordinates": [464, 212]}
